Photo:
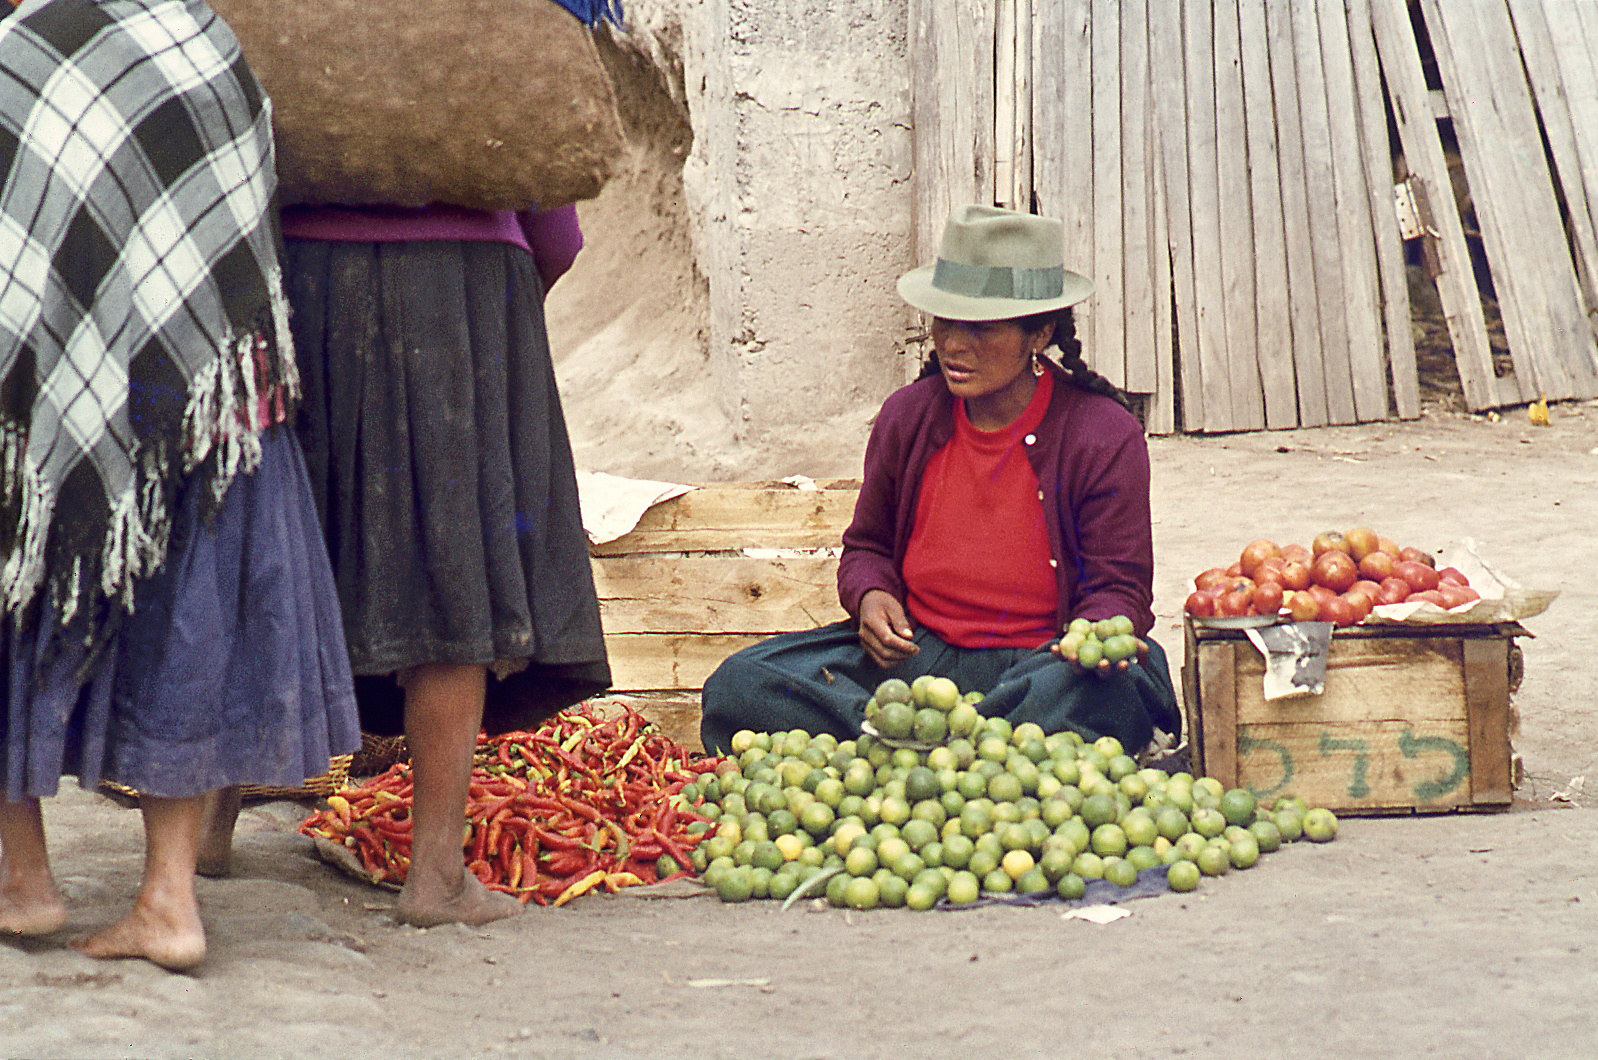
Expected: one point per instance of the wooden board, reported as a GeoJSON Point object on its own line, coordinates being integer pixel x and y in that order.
{"type": "Point", "coordinates": [1208, 341]}
{"type": "Point", "coordinates": [1166, 58]}
{"type": "Point", "coordinates": [1272, 309]}
{"type": "Point", "coordinates": [1415, 722]}
{"type": "Point", "coordinates": [1137, 246]}
{"type": "Point", "coordinates": [1398, 336]}
{"type": "Point", "coordinates": [951, 69]}
{"type": "Point", "coordinates": [1484, 81]}
{"type": "Point", "coordinates": [679, 662]}
{"type": "Point", "coordinates": [1303, 306]}
{"type": "Point", "coordinates": [1449, 258]}
{"type": "Point", "coordinates": [715, 593]}
{"type": "Point", "coordinates": [1235, 225]}
{"type": "Point", "coordinates": [1102, 344]}
{"type": "Point", "coordinates": [736, 516]}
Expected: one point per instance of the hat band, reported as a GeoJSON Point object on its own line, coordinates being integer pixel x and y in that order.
{"type": "Point", "coordinates": [998, 281]}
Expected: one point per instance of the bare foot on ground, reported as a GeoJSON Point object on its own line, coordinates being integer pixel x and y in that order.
{"type": "Point", "coordinates": [216, 833]}
{"type": "Point", "coordinates": [31, 907]}
{"type": "Point", "coordinates": [472, 903]}
{"type": "Point", "coordinates": [172, 938]}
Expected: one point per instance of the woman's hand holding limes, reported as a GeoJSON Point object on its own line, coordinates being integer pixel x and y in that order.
{"type": "Point", "coordinates": [1106, 646]}
{"type": "Point", "coordinates": [885, 630]}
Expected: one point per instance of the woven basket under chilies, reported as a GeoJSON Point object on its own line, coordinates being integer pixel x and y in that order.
{"type": "Point", "coordinates": [491, 104]}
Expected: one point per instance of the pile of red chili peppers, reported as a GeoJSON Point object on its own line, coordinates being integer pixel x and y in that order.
{"type": "Point", "coordinates": [583, 802]}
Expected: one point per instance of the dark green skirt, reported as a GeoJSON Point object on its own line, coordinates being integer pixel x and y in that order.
{"type": "Point", "coordinates": [819, 680]}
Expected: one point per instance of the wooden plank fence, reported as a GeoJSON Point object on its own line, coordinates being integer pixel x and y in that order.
{"type": "Point", "coordinates": [1225, 173]}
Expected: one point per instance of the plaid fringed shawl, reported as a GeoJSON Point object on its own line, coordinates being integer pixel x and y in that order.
{"type": "Point", "coordinates": [143, 330]}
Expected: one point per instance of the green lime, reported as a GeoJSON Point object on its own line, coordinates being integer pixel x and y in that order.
{"type": "Point", "coordinates": [1119, 871]}
{"type": "Point", "coordinates": [1290, 824]}
{"type": "Point", "coordinates": [982, 862]}
{"type": "Point", "coordinates": [893, 690]}
{"type": "Point", "coordinates": [1140, 829]}
{"type": "Point", "coordinates": [1215, 859]}
{"type": "Point", "coordinates": [860, 861]}
{"type": "Point", "coordinates": [892, 891]}
{"type": "Point", "coordinates": [920, 897]}
{"type": "Point", "coordinates": [1244, 851]}
{"type": "Point", "coordinates": [964, 720]}
{"type": "Point", "coordinates": [896, 721]}
{"type": "Point", "coordinates": [735, 885]}
{"type": "Point", "coordinates": [1070, 887]}
{"type": "Point", "coordinates": [1208, 822]}
{"type": "Point", "coordinates": [918, 832]}
{"type": "Point", "coordinates": [998, 882]}
{"type": "Point", "coordinates": [1032, 881]}
{"type": "Point", "coordinates": [1267, 835]}
{"type": "Point", "coordinates": [817, 819]}
{"type": "Point", "coordinates": [1183, 876]}
{"type": "Point", "coordinates": [1088, 865]}
{"type": "Point", "coordinates": [1098, 809]}
{"type": "Point", "coordinates": [921, 783]}
{"type": "Point", "coordinates": [1109, 839]}
{"type": "Point", "coordinates": [1237, 806]}
{"type": "Point", "coordinates": [942, 694]}
{"type": "Point", "coordinates": [957, 850]}
{"type": "Point", "coordinates": [1141, 858]}
{"type": "Point", "coordinates": [1089, 654]}
{"type": "Point", "coordinates": [964, 888]}
{"type": "Point", "coordinates": [861, 892]}
{"type": "Point", "coordinates": [1320, 824]}
{"type": "Point", "coordinates": [836, 886]}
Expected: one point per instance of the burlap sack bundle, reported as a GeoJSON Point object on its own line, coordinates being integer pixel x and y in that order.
{"type": "Point", "coordinates": [493, 104]}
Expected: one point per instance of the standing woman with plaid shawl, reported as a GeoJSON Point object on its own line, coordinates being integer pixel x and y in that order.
{"type": "Point", "coordinates": [169, 619]}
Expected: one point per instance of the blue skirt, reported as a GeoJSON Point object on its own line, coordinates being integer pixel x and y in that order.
{"type": "Point", "coordinates": [231, 669]}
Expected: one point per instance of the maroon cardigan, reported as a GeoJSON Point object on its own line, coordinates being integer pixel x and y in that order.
{"type": "Point", "coordinates": [1092, 463]}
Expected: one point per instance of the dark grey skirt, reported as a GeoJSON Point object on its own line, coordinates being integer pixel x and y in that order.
{"type": "Point", "coordinates": [443, 474]}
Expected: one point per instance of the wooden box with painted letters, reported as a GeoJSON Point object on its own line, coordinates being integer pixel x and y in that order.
{"type": "Point", "coordinates": [1410, 718]}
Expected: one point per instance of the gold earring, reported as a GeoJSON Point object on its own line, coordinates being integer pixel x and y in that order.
{"type": "Point", "coordinates": [1037, 365]}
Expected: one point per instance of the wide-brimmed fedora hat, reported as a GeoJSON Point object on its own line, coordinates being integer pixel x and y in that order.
{"type": "Point", "coordinates": [995, 264]}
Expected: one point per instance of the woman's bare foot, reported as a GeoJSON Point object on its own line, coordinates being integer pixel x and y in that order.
{"type": "Point", "coordinates": [467, 903]}
{"type": "Point", "coordinates": [30, 905]}
{"type": "Point", "coordinates": [216, 832]}
{"type": "Point", "coordinates": [170, 936]}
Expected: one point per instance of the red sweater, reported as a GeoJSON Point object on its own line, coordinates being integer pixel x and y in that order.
{"type": "Point", "coordinates": [1092, 464]}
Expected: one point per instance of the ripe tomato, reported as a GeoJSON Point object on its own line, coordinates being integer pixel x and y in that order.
{"type": "Point", "coordinates": [1297, 551]}
{"type": "Point", "coordinates": [1410, 552]}
{"type": "Point", "coordinates": [1394, 590]}
{"type": "Point", "coordinates": [1328, 541]}
{"type": "Point", "coordinates": [1271, 569]}
{"type": "Point", "coordinates": [1431, 596]}
{"type": "Point", "coordinates": [1267, 598]}
{"type": "Point", "coordinates": [1419, 576]}
{"type": "Point", "coordinates": [1255, 553]}
{"type": "Point", "coordinates": [1213, 576]}
{"type": "Point", "coordinates": [1335, 570]}
{"type": "Point", "coordinates": [1304, 607]}
{"type": "Point", "coordinates": [1295, 574]}
{"type": "Point", "coordinates": [1235, 570]}
{"type": "Point", "coordinates": [1321, 593]}
{"type": "Point", "coordinates": [1358, 603]}
{"type": "Point", "coordinates": [1387, 545]}
{"type": "Point", "coordinates": [1200, 604]}
{"type": "Point", "coordinates": [1452, 574]}
{"type": "Point", "coordinates": [1235, 602]}
{"type": "Point", "coordinates": [1454, 594]}
{"type": "Point", "coordinates": [1362, 541]}
{"type": "Point", "coordinates": [1338, 611]}
{"type": "Point", "coordinates": [1376, 566]}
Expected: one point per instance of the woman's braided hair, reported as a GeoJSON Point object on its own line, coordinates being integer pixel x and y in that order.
{"type": "Point", "coordinates": [1070, 348]}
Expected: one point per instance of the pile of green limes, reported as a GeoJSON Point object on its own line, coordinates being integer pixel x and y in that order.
{"type": "Point", "coordinates": [990, 809]}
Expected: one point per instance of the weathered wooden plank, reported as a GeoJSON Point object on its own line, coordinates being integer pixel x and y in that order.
{"type": "Point", "coordinates": [951, 48]}
{"type": "Point", "coordinates": [1218, 696]}
{"type": "Point", "coordinates": [1062, 143]}
{"type": "Point", "coordinates": [1004, 102]}
{"type": "Point", "coordinates": [1303, 306]}
{"type": "Point", "coordinates": [715, 518]}
{"type": "Point", "coordinates": [1167, 68]}
{"type": "Point", "coordinates": [1209, 340]}
{"type": "Point", "coordinates": [1137, 308]}
{"type": "Point", "coordinates": [1561, 69]}
{"type": "Point", "coordinates": [1486, 674]}
{"type": "Point", "coordinates": [1377, 153]}
{"type": "Point", "coordinates": [1321, 190]}
{"type": "Point", "coordinates": [668, 661]}
{"type": "Point", "coordinates": [1500, 142]}
{"type": "Point", "coordinates": [1367, 366]}
{"type": "Point", "coordinates": [1273, 326]}
{"type": "Point", "coordinates": [1370, 681]}
{"type": "Point", "coordinates": [715, 593]}
{"type": "Point", "coordinates": [1160, 414]}
{"type": "Point", "coordinates": [1235, 222]}
{"type": "Point", "coordinates": [676, 714]}
{"type": "Point", "coordinates": [1102, 344]}
{"type": "Point", "coordinates": [1423, 155]}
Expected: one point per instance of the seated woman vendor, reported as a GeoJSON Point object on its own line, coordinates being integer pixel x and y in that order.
{"type": "Point", "coordinates": [1004, 494]}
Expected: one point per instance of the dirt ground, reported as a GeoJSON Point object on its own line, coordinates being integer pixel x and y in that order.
{"type": "Point", "coordinates": [1453, 935]}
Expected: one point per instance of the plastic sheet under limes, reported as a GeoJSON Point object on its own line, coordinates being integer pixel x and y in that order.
{"type": "Point", "coordinates": [1150, 882]}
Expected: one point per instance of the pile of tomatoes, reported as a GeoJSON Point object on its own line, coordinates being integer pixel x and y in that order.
{"type": "Point", "coordinates": [1339, 578]}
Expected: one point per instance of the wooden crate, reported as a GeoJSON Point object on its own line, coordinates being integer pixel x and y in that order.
{"type": "Point", "coordinates": [1410, 719]}
{"type": "Point", "coordinates": [678, 593]}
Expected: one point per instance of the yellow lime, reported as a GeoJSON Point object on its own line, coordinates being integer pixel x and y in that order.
{"type": "Point", "coordinates": [920, 897]}
{"type": "Point", "coordinates": [1088, 865]}
{"type": "Point", "coordinates": [1141, 858]}
{"type": "Point", "coordinates": [893, 690]}
{"type": "Point", "coordinates": [1109, 839]}
{"type": "Point", "coordinates": [790, 846]}
{"type": "Point", "coordinates": [1017, 862]}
